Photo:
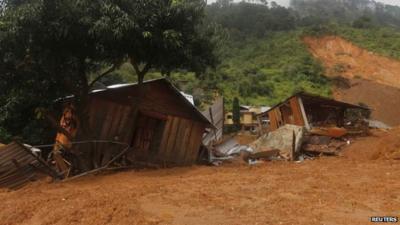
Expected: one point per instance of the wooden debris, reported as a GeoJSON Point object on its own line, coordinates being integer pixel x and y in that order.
{"type": "Point", "coordinates": [265, 155]}
{"type": "Point", "coordinates": [335, 132]}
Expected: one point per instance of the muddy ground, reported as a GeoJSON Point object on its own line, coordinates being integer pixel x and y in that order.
{"type": "Point", "coordinates": [335, 190]}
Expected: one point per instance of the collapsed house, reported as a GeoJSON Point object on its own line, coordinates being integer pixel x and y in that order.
{"type": "Point", "coordinates": [131, 124]}
{"type": "Point", "coordinates": [303, 125]}
{"type": "Point", "coordinates": [325, 122]}
{"type": "Point", "coordinates": [312, 112]}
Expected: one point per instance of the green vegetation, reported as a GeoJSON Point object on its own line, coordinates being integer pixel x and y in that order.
{"type": "Point", "coordinates": [360, 13]}
{"type": "Point", "coordinates": [259, 47]}
{"type": "Point", "coordinates": [263, 59]}
{"type": "Point", "coordinates": [261, 62]}
{"type": "Point", "coordinates": [265, 71]}
{"type": "Point", "coordinates": [381, 40]}
{"type": "Point", "coordinates": [259, 71]}
{"type": "Point", "coordinates": [53, 48]}
{"type": "Point", "coordinates": [378, 39]}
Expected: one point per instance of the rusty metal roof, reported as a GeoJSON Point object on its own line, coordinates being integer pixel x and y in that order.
{"type": "Point", "coordinates": [18, 166]}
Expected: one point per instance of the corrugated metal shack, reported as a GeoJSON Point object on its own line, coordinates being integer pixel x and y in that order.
{"type": "Point", "coordinates": [304, 109]}
{"type": "Point", "coordinates": [159, 125]}
{"type": "Point", "coordinates": [19, 165]}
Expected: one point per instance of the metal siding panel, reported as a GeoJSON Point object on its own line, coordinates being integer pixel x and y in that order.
{"type": "Point", "coordinates": [217, 117]}
{"type": "Point", "coordinates": [17, 166]}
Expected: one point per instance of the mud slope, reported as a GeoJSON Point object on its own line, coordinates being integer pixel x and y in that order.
{"type": "Point", "coordinates": [341, 57]}
{"type": "Point", "coordinates": [380, 145]}
{"type": "Point", "coordinates": [371, 79]}
{"type": "Point", "coordinates": [383, 100]}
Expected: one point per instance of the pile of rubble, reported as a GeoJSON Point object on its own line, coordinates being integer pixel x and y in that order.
{"type": "Point", "coordinates": [289, 142]}
{"type": "Point", "coordinates": [21, 164]}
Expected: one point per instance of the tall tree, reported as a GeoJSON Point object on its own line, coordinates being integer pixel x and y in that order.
{"type": "Point", "coordinates": [160, 34]}
{"type": "Point", "coordinates": [55, 47]}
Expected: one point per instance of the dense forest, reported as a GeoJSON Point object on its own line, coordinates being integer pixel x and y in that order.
{"type": "Point", "coordinates": [262, 57]}
{"type": "Point", "coordinates": [260, 53]}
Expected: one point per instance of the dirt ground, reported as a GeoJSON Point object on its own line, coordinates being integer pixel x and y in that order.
{"type": "Point", "coordinates": [336, 190]}
{"type": "Point", "coordinates": [372, 79]}
{"type": "Point", "coordinates": [381, 144]}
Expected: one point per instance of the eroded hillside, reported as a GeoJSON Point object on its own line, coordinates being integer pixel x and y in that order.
{"type": "Point", "coordinates": [369, 78]}
{"type": "Point", "coordinates": [341, 57]}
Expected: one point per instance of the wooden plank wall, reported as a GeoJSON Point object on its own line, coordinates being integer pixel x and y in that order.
{"type": "Point", "coordinates": [296, 110]}
{"type": "Point", "coordinates": [287, 114]}
{"type": "Point", "coordinates": [108, 122]}
{"type": "Point", "coordinates": [275, 118]}
{"type": "Point", "coordinates": [156, 97]}
{"type": "Point", "coordinates": [181, 141]}
{"type": "Point", "coordinates": [112, 119]}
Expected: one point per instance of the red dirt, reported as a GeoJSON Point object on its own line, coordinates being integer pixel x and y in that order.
{"type": "Point", "coordinates": [346, 190]}
{"type": "Point", "coordinates": [383, 100]}
{"type": "Point", "coordinates": [381, 145]}
{"type": "Point", "coordinates": [355, 61]}
{"type": "Point", "coordinates": [373, 80]}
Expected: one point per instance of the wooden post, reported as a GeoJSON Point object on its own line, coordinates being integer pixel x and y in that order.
{"type": "Point", "coordinates": [260, 132]}
{"type": "Point", "coordinates": [292, 154]}
{"type": "Point", "coordinates": [303, 112]}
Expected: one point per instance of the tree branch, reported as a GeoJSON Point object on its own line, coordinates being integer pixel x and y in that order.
{"type": "Point", "coordinates": [139, 73]}
{"type": "Point", "coordinates": [111, 69]}
{"type": "Point", "coordinates": [146, 68]}
{"type": "Point", "coordinates": [135, 65]}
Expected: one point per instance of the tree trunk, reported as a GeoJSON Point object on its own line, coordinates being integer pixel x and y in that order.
{"type": "Point", "coordinates": [140, 78]}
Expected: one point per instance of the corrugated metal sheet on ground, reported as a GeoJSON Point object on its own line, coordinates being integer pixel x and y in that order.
{"type": "Point", "coordinates": [231, 147]}
{"type": "Point", "coordinates": [18, 166]}
{"type": "Point", "coordinates": [215, 114]}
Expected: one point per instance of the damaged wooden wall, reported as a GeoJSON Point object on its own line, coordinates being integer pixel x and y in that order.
{"type": "Point", "coordinates": [304, 109]}
{"type": "Point", "coordinates": [287, 113]}
{"type": "Point", "coordinates": [156, 122]}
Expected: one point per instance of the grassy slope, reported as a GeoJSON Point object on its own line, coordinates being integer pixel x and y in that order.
{"type": "Point", "coordinates": [260, 71]}
{"type": "Point", "coordinates": [263, 71]}
{"type": "Point", "coordinates": [384, 41]}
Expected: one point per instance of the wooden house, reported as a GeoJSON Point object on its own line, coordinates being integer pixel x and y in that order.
{"type": "Point", "coordinates": [155, 121]}
{"type": "Point", "coordinates": [248, 117]}
{"type": "Point", "coordinates": [304, 109]}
